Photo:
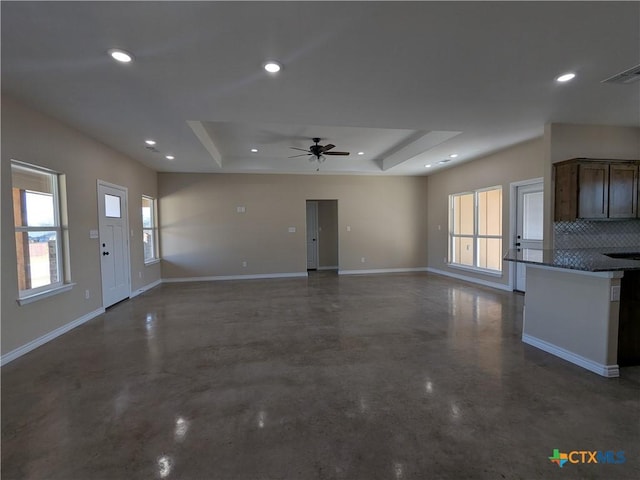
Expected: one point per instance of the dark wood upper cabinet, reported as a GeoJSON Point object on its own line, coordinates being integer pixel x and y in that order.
{"type": "Point", "coordinates": [623, 190]}
{"type": "Point", "coordinates": [593, 190]}
{"type": "Point", "coordinates": [596, 189]}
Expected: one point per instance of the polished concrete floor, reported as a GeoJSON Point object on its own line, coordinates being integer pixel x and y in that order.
{"type": "Point", "coordinates": [404, 376]}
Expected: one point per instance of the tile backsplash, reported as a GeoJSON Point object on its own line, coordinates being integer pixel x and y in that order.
{"type": "Point", "coordinates": [596, 234]}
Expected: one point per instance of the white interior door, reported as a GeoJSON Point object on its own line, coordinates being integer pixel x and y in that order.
{"type": "Point", "coordinates": [312, 235]}
{"type": "Point", "coordinates": [114, 243]}
{"type": "Point", "coordinates": [529, 224]}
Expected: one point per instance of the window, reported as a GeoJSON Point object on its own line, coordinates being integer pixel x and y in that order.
{"type": "Point", "coordinates": [149, 229]}
{"type": "Point", "coordinates": [475, 229]}
{"type": "Point", "coordinates": [38, 230]}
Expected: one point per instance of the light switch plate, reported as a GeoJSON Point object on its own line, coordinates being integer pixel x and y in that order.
{"type": "Point", "coordinates": [93, 233]}
{"type": "Point", "coordinates": [615, 293]}
{"type": "Point", "coordinates": [292, 229]}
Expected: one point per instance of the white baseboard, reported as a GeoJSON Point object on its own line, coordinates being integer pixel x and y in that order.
{"type": "Point", "coordinates": [609, 371]}
{"type": "Point", "coordinates": [234, 277]}
{"type": "Point", "coordinates": [500, 286]}
{"type": "Point", "coordinates": [33, 344]}
{"type": "Point", "coordinates": [381, 270]}
{"type": "Point", "coordinates": [335, 267]}
{"type": "Point", "coordinates": [145, 288]}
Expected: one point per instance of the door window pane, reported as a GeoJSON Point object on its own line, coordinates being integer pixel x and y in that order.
{"type": "Point", "coordinates": [532, 225]}
{"type": "Point", "coordinates": [112, 206]}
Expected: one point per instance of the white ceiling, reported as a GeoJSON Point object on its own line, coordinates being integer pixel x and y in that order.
{"type": "Point", "coordinates": [408, 83]}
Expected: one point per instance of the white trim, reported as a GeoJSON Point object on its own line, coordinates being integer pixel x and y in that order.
{"type": "Point", "coordinates": [152, 262]}
{"type": "Point", "coordinates": [44, 294]}
{"type": "Point", "coordinates": [234, 277]}
{"type": "Point", "coordinates": [609, 371]}
{"type": "Point", "coordinates": [145, 288]}
{"type": "Point", "coordinates": [499, 286]}
{"type": "Point", "coordinates": [381, 270]}
{"type": "Point", "coordinates": [513, 220]}
{"type": "Point", "coordinates": [482, 271]}
{"type": "Point", "coordinates": [334, 267]}
{"type": "Point", "coordinates": [33, 344]}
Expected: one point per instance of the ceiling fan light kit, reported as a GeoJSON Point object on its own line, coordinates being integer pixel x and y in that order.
{"type": "Point", "coordinates": [317, 152]}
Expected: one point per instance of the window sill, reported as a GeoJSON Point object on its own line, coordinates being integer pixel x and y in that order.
{"type": "Point", "coordinates": [152, 262]}
{"type": "Point", "coordinates": [481, 271]}
{"type": "Point", "coordinates": [47, 293]}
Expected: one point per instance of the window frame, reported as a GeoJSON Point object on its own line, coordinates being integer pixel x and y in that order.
{"type": "Point", "coordinates": [153, 229]}
{"type": "Point", "coordinates": [62, 284]}
{"type": "Point", "coordinates": [476, 236]}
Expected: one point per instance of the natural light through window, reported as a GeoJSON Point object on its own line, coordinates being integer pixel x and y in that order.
{"type": "Point", "coordinates": [475, 229]}
{"type": "Point", "coordinates": [38, 231]}
{"type": "Point", "coordinates": [149, 229]}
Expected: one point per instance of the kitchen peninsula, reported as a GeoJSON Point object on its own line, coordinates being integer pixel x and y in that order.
{"type": "Point", "coordinates": [572, 303]}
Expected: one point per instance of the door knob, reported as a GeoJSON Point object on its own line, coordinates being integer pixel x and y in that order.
{"type": "Point", "coordinates": [105, 253]}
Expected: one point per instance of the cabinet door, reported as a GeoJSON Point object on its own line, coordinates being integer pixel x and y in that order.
{"type": "Point", "coordinates": [566, 192]}
{"type": "Point", "coordinates": [623, 190]}
{"type": "Point", "coordinates": [593, 195]}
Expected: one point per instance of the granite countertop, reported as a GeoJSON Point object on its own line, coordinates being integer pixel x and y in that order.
{"type": "Point", "coordinates": [585, 259]}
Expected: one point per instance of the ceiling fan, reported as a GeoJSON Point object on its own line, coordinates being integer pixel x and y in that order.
{"type": "Point", "coordinates": [317, 151]}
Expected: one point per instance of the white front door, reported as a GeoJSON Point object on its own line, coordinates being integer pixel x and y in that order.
{"type": "Point", "coordinates": [114, 243]}
{"type": "Point", "coordinates": [312, 235]}
{"type": "Point", "coordinates": [529, 224]}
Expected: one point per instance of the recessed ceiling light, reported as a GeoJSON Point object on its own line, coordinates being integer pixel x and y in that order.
{"type": "Point", "coordinates": [427, 166]}
{"type": "Point", "coordinates": [444, 161]}
{"type": "Point", "coordinates": [254, 150]}
{"type": "Point", "coordinates": [272, 66]}
{"type": "Point", "coordinates": [565, 77]}
{"type": "Point", "coordinates": [120, 55]}
{"type": "Point", "coordinates": [453, 155]}
{"type": "Point", "coordinates": [150, 142]}
{"type": "Point", "coordinates": [170, 157]}
{"type": "Point", "coordinates": [360, 153]}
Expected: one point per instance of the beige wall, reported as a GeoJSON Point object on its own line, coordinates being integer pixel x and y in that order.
{"type": "Point", "coordinates": [518, 163]}
{"type": "Point", "coordinates": [327, 233]}
{"type": "Point", "coordinates": [202, 235]}
{"type": "Point", "coordinates": [565, 141]}
{"type": "Point", "coordinates": [34, 138]}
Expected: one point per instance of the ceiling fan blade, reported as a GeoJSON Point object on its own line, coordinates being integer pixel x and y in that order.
{"type": "Point", "coordinates": [302, 155]}
{"type": "Point", "coordinates": [301, 149]}
{"type": "Point", "coordinates": [336, 153]}
{"type": "Point", "coordinates": [328, 147]}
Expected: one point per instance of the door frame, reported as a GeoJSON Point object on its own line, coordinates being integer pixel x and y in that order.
{"type": "Point", "coordinates": [316, 243]}
{"type": "Point", "coordinates": [513, 219]}
{"type": "Point", "coordinates": [128, 231]}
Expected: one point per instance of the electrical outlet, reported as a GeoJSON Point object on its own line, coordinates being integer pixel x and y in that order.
{"type": "Point", "coordinates": [87, 295]}
{"type": "Point", "coordinates": [362, 260]}
{"type": "Point", "coordinates": [139, 274]}
{"type": "Point", "coordinates": [244, 264]}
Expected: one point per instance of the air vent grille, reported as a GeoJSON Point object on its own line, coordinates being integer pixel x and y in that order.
{"type": "Point", "coordinates": [626, 77]}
